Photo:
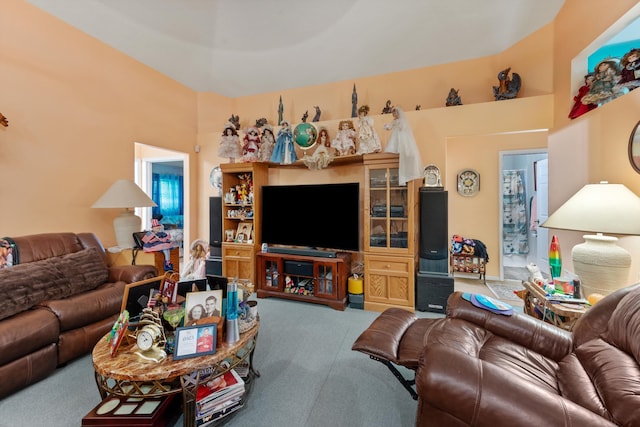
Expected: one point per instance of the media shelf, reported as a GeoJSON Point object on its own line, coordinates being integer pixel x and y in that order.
{"type": "Point", "coordinates": [318, 280]}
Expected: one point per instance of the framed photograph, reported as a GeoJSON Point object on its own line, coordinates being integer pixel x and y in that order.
{"type": "Point", "coordinates": [243, 234]}
{"type": "Point", "coordinates": [193, 341]}
{"type": "Point", "coordinates": [202, 305]}
{"type": "Point", "coordinates": [229, 235]}
{"type": "Point", "coordinates": [136, 295]}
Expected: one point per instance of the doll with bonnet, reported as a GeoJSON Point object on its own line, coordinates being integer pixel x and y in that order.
{"type": "Point", "coordinates": [230, 146]}
{"type": "Point", "coordinates": [156, 240]}
{"type": "Point", "coordinates": [251, 145]}
{"type": "Point", "coordinates": [345, 140]}
{"type": "Point", "coordinates": [268, 141]}
{"type": "Point", "coordinates": [196, 266]}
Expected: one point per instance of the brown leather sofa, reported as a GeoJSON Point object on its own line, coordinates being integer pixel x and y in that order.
{"type": "Point", "coordinates": [56, 303]}
{"type": "Point", "coordinates": [477, 368]}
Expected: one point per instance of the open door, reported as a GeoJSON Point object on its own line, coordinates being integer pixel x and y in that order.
{"type": "Point", "coordinates": [542, 213]}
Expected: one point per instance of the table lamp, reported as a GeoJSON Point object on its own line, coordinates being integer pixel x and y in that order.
{"type": "Point", "coordinates": [601, 265]}
{"type": "Point", "coordinates": [126, 195]}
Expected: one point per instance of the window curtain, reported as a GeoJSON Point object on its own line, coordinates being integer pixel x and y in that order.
{"type": "Point", "coordinates": [514, 217]}
{"type": "Point", "coordinates": [166, 191]}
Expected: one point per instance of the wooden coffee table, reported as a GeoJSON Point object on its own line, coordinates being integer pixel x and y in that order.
{"type": "Point", "coordinates": [129, 376]}
{"type": "Point", "coordinates": [536, 304]}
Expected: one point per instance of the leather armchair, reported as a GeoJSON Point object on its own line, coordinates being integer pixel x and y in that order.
{"type": "Point", "coordinates": [484, 369]}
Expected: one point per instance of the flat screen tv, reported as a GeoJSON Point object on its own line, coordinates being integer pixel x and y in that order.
{"type": "Point", "coordinates": [314, 216]}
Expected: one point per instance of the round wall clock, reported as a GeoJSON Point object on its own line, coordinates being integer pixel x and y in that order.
{"type": "Point", "coordinates": [431, 175]}
{"type": "Point", "coordinates": [215, 178]}
{"type": "Point", "coordinates": [468, 182]}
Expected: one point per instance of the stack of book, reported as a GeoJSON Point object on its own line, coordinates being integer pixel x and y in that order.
{"type": "Point", "coordinates": [218, 397]}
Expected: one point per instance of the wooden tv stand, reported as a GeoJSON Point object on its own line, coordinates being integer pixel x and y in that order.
{"type": "Point", "coordinates": [312, 279]}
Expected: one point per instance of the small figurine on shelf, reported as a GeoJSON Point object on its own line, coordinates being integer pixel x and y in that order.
{"type": "Point", "coordinates": [453, 98]}
{"type": "Point", "coordinates": [305, 116]}
{"type": "Point", "coordinates": [267, 142]}
{"type": "Point", "coordinates": [230, 146]}
{"type": "Point", "coordinates": [368, 140]}
{"type": "Point", "coordinates": [402, 141]}
{"type": "Point", "coordinates": [507, 88]}
{"type": "Point", "coordinates": [630, 72]}
{"type": "Point", "coordinates": [284, 152]}
{"type": "Point", "coordinates": [354, 102]}
{"type": "Point", "coordinates": [251, 145]}
{"type": "Point", "coordinates": [316, 118]}
{"type": "Point", "coordinates": [323, 154]}
{"type": "Point", "coordinates": [579, 108]}
{"type": "Point", "coordinates": [387, 107]}
{"type": "Point", "coordinates": [235, 121]}
{"type": "Point", "coordinates": [603, 89]}
{"type": "Point", "coordinates": [288, 284]}
{"type": "Point", "coordinates": [156, 240]}
{"type": "Point", "coordinates": [345, 140]}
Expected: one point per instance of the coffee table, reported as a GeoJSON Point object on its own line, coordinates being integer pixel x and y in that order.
{"type": "Point", "coordinates": [127, 375]}
{"type": "Point", "coordinates": [536, 304]}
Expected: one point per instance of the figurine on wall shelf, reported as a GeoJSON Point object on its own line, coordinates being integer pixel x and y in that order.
{"type": "Point", "coordinates": [267, 142]}
{"type": "Point", "coordinates": [345, 140]}
{"type": "Point", "coordinates": [305, 116]}
{"type": "Point", "coordinates": [368, 140]}
{"type": "Point", "coordinates": [316, 118]}
{"type": "Point", "coordinates": [235, 121]}
{"type": "Point", "coordinates": [418, 107]}
{"type": "Point", "coordinates": [354, 102]}
{"type": "Point", "coordinates": [280, 111]}
{"type": "Point", "coordinates": [323, 154]}
{"type": "Point", "coordinates": [508, 87]}
{"type": "Point", "coordinates": [630, 72]}
{"type": "Point", "coordinates": [402, 142]}
{"type": "Point", "coordinates": [3, 120]}
{"type": "Point", "coordinates": [387, 107]}
{"type": "Point", "coordinates": [251, 145]}
{"type": "Point", "coordinates": [453, 98]}
{"type": "Point", "coordinates": [284, 152]}
{"type": "Point", "coordinates": [603, 89]}
{"type": "Point", "coordinates": [579, 108]}
{"type": "Point", "coordinates": [230, 146]}
{"type": "Point", "coordinates": [261, 122]}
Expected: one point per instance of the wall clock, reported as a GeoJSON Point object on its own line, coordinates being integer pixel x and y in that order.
{"type": "Point", "coordinates": [468, 182]}
{"type": "Point", "coordinates": [431, 175]}
{"type": "Point", "coordinates": [215, 179]}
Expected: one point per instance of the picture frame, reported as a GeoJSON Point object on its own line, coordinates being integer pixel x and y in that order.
{"type": "Point", "coordinates": [194, 341]}
{"type": "Point", "coordinates": [199, 307]}
{"type": "Point", "coordinates": [243, 233]}
{"type": "Point", "coordinates": [136, 295]}
{"type": "Point", "coordinates": [229, 235]}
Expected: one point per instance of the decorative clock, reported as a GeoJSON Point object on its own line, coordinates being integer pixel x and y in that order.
{"type": "Point", "coordinates": [468, 182]}
{"type": "Point", "coordinates": [431, 175]}
{"type": "Point", "coordinates": [150, 337]}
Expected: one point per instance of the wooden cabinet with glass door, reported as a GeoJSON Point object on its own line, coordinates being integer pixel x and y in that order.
{"type": "Point", "coordinates": [390, 234]}
{"type": "Point", "coordinates": [242, 187]}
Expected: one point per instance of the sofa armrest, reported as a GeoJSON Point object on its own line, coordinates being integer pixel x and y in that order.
{"type": "Point", "coordinates": [482, 394]}
{"type": "Point", "coordinates": [131, 273]}
{"type": "Point", "coordinates": [541, 337]}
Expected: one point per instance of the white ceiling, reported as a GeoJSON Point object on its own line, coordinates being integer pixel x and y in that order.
{"type": "Point", "coordinates": [245, 47]}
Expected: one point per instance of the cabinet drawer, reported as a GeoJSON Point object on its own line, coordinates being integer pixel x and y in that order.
{"type": "Point", "coordinates": [237, 251]}
{"type": "Point", "coordinates": [388, 264]}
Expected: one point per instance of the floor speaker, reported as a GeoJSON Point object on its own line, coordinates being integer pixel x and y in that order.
{"type": "Point", "coordinates": [434, 229]}
{"type": "Point", "coordinates": [215, 226]}
{"type": "Point", "coordinates": [432, 291]}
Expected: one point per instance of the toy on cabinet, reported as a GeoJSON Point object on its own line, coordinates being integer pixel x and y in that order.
{"type": "Point", "coordinates": [368, 139]}
{"type": "Point", "coordinates": [251, 145]}
{"type": "Point", "coordinates": [230, 146]}
{"type": "Point", "coordinates": [402, 142]}
{"type": "Point", "coordinates": [345, 140]}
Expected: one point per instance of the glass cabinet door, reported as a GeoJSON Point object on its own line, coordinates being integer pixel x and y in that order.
{"type": "Point", "coordinates": [324, 279]}
{"type": "Point", "coordinates": [388, 209]}
{"type": "Point", "coordinates": [272, 279]}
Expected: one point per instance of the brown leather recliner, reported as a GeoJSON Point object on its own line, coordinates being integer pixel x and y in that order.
{"type": "Point", "coordinates": [478, 368]}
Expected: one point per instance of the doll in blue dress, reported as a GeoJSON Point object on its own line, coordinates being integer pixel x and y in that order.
{"type": "Point", "coordinates": [284, 151]}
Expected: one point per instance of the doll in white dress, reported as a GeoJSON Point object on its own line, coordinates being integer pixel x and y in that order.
{"type": "Point", "coordinates": [345, 141]}
{"type": "Point", "coordinates": [402, 141]}
{"type": "Point", "coordinates": [368, 140]}
{"type": "Point", "coordinates": [323, 154]}
{"type": "Point", "coordinates": [267, 142]}
{"type": "Point", "coordinates": [230, 146]}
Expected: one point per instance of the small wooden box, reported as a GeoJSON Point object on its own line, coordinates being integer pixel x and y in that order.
{"type": "Point", "coordinates": [120, 411]}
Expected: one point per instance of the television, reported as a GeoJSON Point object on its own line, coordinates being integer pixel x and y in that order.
{"type": "Point", "coordinates": [316, 216]}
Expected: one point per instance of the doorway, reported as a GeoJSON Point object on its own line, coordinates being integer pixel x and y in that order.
{"type": "Point", "coordinates": [523, 182]}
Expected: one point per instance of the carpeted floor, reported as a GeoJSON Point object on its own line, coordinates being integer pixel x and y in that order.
{"type": "Point", "coordinates": [505, 290]}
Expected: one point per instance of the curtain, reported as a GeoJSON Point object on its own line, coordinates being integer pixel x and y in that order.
{"type": "Point", "coordinates": [515, 230]}
{"type": "Point", "coordinates": [167, 192]}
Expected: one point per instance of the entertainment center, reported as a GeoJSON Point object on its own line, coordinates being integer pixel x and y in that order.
{"type": "Point", "coordinates": [313, 232]}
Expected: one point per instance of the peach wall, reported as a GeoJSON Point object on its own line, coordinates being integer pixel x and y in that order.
{"type": "Point", "coordinates": [76, 107]}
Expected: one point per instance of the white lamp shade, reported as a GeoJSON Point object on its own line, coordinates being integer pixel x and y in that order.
{"type": "Point", "coordinates": [124, 194]}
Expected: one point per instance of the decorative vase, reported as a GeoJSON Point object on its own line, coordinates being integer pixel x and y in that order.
{"type": "Point", "coordinates": [601, 265]}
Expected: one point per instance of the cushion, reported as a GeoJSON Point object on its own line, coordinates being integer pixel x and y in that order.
{"type": "Point", "coordinates": [84, 269]}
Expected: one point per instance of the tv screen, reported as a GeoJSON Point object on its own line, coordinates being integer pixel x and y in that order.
{"type": "Point", "coordinates": [322, 216]}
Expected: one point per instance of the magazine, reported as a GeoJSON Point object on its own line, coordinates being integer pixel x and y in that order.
{"type": "Point", "coordinates": [219, 386]}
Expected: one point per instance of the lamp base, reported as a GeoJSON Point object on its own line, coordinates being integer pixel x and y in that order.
{"type": "Point", "coordinates": [601, 265]}
{"type": "Point", "coordinates": [125, 225]}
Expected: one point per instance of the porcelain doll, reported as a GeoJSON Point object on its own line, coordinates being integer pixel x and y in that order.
{"type": "Point", "coordinates": [230, 146]}
{"type": "Point", "coordinates": [630, 72]}
{"type": "Point", "coordinates": [267, 142]}
{"type": "Point", "coordinates": [368, 140]}
{"type": "Point", "coordinates": [402, 141]}
{"type": "Point", "coordinates": [284, 152]}
{"type": "Point", "coordinates": [603, 89]}
{"type": "Point", "coordinates": [579, 108]}
{"type": "Point", "coordinates": [323, 154]}
{"type": "Point", "coordinates": [251, 145]}
{"type": "Point", "coordinates": [157, 240]}
{"type": "Point", "coordinates": [196, 267]}
{"type": "Point", "coordinates": [345, 140]}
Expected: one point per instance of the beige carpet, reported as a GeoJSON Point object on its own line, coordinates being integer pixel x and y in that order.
{"type": "Point", "coordinates": [505, 290]}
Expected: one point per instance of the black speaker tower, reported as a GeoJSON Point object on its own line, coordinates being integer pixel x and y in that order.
{"type": "Point", "coordinates": [215, 226]}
